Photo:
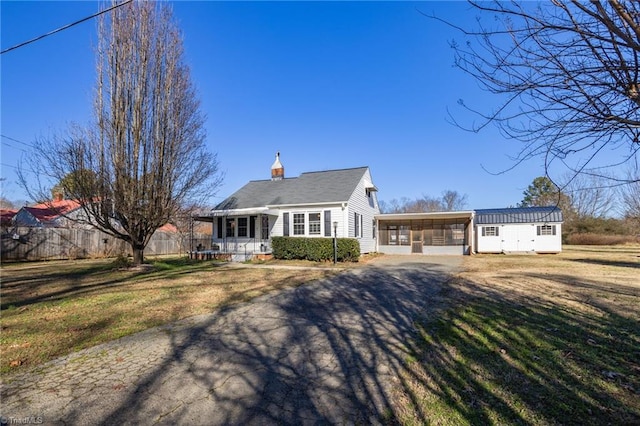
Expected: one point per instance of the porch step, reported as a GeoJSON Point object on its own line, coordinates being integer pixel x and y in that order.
{"type": "Point", "coordinates": [241, 257]}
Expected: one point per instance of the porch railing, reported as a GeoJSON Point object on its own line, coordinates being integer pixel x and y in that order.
{"type": "Point", "coordinates": [243, 246]}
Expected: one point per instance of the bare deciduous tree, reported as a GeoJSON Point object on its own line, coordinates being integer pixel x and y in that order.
{"type": "Point", "coordinates": [450, 201]}
{"type": "Point", "coordinates": [589, 195]}
{"type": "Point", "coordinates": [568, 76]}
{"type": "Point", "coordinates": [453, 200]}
{"type": "Point", "coordinates": [145, 156]}
{"type": "Point", "coordinates": [631, 194]}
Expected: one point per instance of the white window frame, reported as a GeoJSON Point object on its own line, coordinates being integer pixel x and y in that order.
{"type": "Point", "coordinates": [246, 227]}
{"type": "Point", "coordinates": [546, 230]}
{"type": "Point", "coordinates": [490, 231]}
{"type": "Point", "coordinates": [297, 224]}
{"type": "Point", "coordinates": [357, 225]}
{"type": "Point", "coordinates": [314, 223]}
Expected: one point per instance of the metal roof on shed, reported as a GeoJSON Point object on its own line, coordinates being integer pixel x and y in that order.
{"type": "Point", "coordinates": [519, 215]}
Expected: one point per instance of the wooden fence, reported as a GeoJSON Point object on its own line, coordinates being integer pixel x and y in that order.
{"type": "Point", "coordinates": [67, 243]}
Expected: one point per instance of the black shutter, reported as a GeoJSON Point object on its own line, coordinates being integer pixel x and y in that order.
{"type": "Point", "coordinates": [538, 230]}
{"type": "Point", "coordinates": [554, 229]}
{"type": "Point", "coordinates": [497, 231]}
{"type": "Point", "coordinates": [220, 227]}
{"type": "Point", "coordinates": [356, 225]}
{"type": "Point", "coordinates": [483, 231]}
{"type": "Point", "coordinates": [327, 223]}
{"type": "Point", "coordinates": [252, 226]}
{"type": "Point", "coordinates": [285, 230]}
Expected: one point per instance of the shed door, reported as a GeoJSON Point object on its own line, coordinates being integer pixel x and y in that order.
{"type": "Point", "coordinates": [509, 238]}
{"type": "Point", "coordinates": [516, 238]}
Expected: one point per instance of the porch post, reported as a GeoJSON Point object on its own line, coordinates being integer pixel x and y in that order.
{"type": "Point", "coordinates": [213, 231]}
{"type": "Point", "coordinates": [191, 235]}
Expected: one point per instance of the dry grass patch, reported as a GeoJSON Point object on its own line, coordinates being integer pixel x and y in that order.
{"type": "Point", "coordinates": [539, 340]}
{"type": "Point", "coordinates": [53, 308]}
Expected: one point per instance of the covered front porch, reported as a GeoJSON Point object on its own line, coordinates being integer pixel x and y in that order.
{"type": "Point", "coordinates": [236, 235]}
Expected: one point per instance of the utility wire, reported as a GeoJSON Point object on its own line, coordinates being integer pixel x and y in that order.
{"type": "Point", "coordinates": [64, 27]}
{"type": "Point", "coordinates": [14, 147]}
{"type": "Point", "coordinates": [27, 170]}
{"type": "Point", "coordinates": [16, 140]}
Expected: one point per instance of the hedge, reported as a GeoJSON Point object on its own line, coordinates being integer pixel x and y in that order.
{"type": "Point", "coordinates": [315, 249]}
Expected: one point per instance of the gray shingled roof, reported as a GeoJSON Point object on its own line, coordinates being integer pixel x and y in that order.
{"type": "Point", "coordinates": [519, 215]}
{"type": "Point", "coordinates": [314, 187]}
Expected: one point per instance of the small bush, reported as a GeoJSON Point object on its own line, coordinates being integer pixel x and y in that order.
{"type": "Point", "coordinates": [599, 239]}
{"type": "Point", "coordinates": [315, 249]}
{"type": "Point", "coordinates": [121, 262]}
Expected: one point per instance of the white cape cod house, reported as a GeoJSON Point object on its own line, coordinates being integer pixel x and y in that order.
{"type": "Point", "coordinates": [314, 204]}
{"type": "Point", "coordinates": [344, 203]}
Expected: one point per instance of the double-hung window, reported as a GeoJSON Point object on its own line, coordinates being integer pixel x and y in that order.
{"type": "Point", "coordinates": [242, 227]}
{"type": "Point", "coordinates": [357, 217]}
{"type": "Point", "coordinates": [298, 224]}
{"type": "Point", "coordinates": [314, 223]}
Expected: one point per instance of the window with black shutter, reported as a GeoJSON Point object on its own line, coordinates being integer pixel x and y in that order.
{"type": "Point", "coordinates": [490, 231]}
{"type": "Point", "coordinates": [327, 223]}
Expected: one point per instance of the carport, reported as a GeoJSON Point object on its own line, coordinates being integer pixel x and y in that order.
{"type": "Point", "coordinates": [433, 233]}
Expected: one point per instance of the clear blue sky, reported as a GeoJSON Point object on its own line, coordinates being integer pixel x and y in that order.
{"type": "Point", "coordinates": [328, 84]}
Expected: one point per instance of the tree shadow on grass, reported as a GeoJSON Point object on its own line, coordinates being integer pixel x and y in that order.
{"type": "Point", "coordinates": [30, 286]}
{"type": "Point", "coordinates": [328, 352]}
{"type": "Point", "coordinates": [401, 344]}
{"type": "Point", "coordinates": [494, 358]}
{"type": "Point", "coordinates": [606, 262]}
{"type": "Point", "coordinates": [342, 350]}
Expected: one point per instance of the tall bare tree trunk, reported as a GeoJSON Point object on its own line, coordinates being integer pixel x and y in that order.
{"type": "Point", "coordinates": [145, 155]}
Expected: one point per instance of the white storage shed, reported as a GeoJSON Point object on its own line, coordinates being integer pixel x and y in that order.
{"type": "Point", "coordinates": [518, 230]}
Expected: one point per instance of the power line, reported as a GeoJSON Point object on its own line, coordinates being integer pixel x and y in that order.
{"type": "Point", "coordinates": [17, 141]}
{"type": "Point", "coordinates": [64, 27]}
{"type": "Point", "coordinates": [14, 147]}
{"type": "Point", "coordinates": [28, 170]}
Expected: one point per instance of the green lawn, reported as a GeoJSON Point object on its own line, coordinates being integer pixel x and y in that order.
{"type": "Point", "coordinates": [50, 309]}
{"type": "Point", "coordinates": [534, 340]}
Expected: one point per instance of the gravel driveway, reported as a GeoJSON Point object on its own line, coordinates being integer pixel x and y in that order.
{"type": "Point", "coordinates": [326, 352]}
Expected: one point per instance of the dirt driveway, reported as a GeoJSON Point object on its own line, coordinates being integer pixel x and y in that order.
{"type": "Point", "coordinates": [327, 352]}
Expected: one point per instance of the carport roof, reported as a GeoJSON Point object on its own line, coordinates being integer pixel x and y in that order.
{"type": "Point", "coordinates": [426, 215]}
{"type": "Point", "coordinates": [519, 215]}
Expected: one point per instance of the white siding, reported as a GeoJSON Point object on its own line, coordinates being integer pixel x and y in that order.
{"type": "Point", "coordinates": [549, 243]}
{"type": "Point", "coordinates": [337, 215]}
{"type": "Point", "coordinates": [276, 225]}
{"type": "Point", "coordinates": [490, 243]}
{"type": "Point", "coordinates": [360, 203]}
{"type": "Point", "coordinates": [519, 238]}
